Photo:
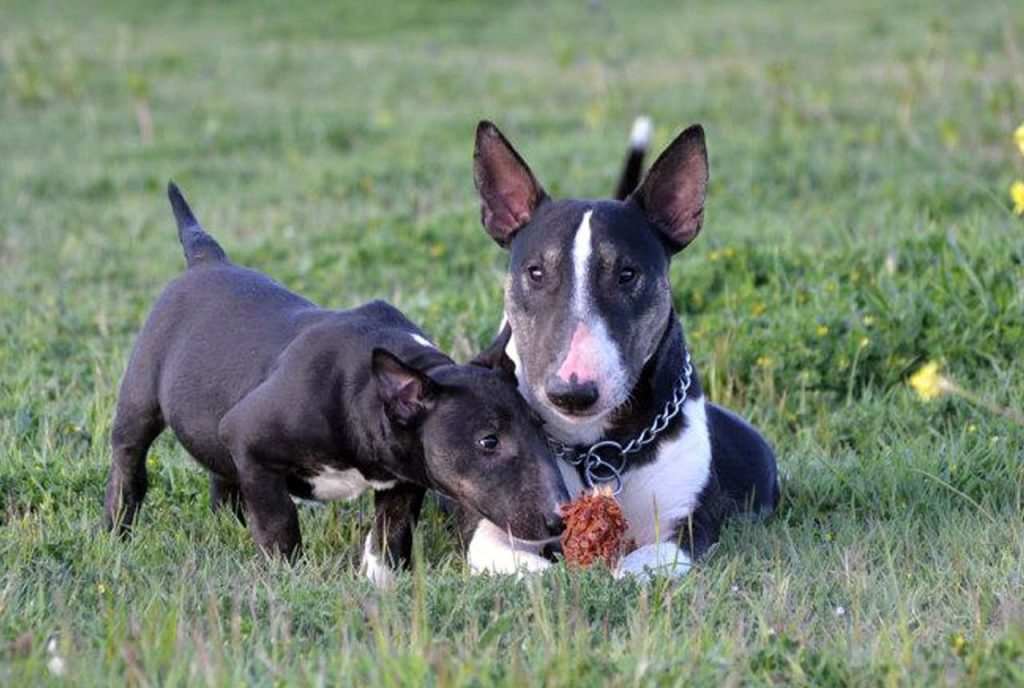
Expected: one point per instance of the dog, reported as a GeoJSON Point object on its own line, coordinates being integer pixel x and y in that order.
{"type": "Point", "coordinates": [277, 397]}
{"type": "Point", "coordinates": [600, 355]}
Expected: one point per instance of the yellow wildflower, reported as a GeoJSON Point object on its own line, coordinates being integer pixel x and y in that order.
{"type": "Point", "coordinates": [928, 383]}
{"type": "Point", "coordinates": [1017, 194]}
{"type": "Point", "coordinates": [821, 330]}
{"type": "Point", "coordinates": [1018, 136]}
{"type": "Point", "coordinates": [864, 342]}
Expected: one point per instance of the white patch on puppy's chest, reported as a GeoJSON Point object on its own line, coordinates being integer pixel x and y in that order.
{"type": "Point", "coordinates": [331, 484]}
{"type": "Point", "coordinates": [657, 496]}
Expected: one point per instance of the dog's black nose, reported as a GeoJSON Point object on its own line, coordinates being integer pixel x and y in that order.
{"type": "Point", "coordinates": [554, 524]}
{"type": "Point", "coordinates": [572, 396]}
{"type": "Point", "coordinates": [551, 550]}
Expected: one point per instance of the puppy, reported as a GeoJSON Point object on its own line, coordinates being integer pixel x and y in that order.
{"type": "Point", "coordinates": [277, 397]}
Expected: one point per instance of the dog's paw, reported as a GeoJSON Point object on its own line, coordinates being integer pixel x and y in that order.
{"type": "Point", "coordinates": [491, 550]}
{"type": "Point", "coordinates": [510, 563]}
{"type": "Point", "coordinates": [662, 559]}
{"type": "Point", "coordinates": [374, 569]}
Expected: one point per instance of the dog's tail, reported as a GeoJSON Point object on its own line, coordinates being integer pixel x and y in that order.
{"type": "Point", "coordinates": [199, 246]}
{"type": "Point", "coordinates": [633, 167]}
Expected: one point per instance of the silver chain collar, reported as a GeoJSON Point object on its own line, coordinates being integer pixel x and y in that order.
{"type": "Point", "coordinates": [598, 469]}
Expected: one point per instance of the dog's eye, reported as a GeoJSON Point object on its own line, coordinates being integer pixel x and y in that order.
{"type": "Point", "coordinates": [536, 274]}
{"type": "Point", "coordinates": [488, 442]}
{"type": "Point", "coordinates": [627, 275]}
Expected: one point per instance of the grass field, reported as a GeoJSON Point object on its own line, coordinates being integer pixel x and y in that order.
{"type": "Point", "coordinates": [858, 225]}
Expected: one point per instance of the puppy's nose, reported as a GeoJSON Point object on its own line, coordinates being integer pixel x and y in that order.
{"type": "Point", "coordinates": [551, 549]}
{"type": "Point", "coordinates": [572, 395]}
{"type": "Point", "coordinates": [554, 524]}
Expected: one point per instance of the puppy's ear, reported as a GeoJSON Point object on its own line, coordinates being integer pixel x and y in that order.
{"type": "Point", "coordinates": [494, 356]}
{"type": "Point", "coordinates": [407, 393]}
{"type": "Point", "coordinates": [508, 191]}
{"type": "Point", "coordinates": [672, 193]}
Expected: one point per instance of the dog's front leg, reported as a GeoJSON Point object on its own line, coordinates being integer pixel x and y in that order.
{"type": "Point", "coordinates": [389, 545]}
{"type": "Point", "coordinates": [662, 559]}
{"type": "Point", "coordinates": [256, 452]}
{"type": "Point", "coordinates": [226, 493]}
{"type": "Point", "coordinates": [273, 518]}
{"type": "Point", "coordinates": [490, 548]}
{"type": "Point", "coordinates": [674, 558]}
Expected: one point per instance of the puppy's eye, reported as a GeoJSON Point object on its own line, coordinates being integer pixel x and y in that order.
{"type": "Point", "coordinates": [536, 274]}
{"type": "Point", "coordinates": [488, 442]}
{"type": "Point", "coordinates": [627, 275]}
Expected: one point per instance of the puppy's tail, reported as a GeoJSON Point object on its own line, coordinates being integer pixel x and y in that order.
{"type": "Point", "coordinates": [199, 246]}
{"type": "Point", "coordinates": [633, 167]}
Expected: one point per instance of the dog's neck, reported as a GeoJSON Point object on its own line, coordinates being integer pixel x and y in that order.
{"type": "Point", "coordinates": [395, 449]}
{"type": "Point", "coordinates": [657, 380]}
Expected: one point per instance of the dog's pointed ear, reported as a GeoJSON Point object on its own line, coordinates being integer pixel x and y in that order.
{"type": "Point", "coordinates": [672, 193]}
{"type": "Point", "coordinates": [407, 393]}
{"type": "Point", "coordinates": [494, 356]}
{"type": "Point", "coordinates": [508, 191]}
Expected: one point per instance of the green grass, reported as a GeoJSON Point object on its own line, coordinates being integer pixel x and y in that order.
{"type": "Point", "coordinates": [858, 224]}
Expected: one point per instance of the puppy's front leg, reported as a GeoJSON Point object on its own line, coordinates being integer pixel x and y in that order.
{"type": "Point", "coordinates": [273, 519]}
{"type": "Point", "coordinates": [389, 545]}
{"type": "Point", "coordinates": [489, 548]}
{"type": "Point", "coordinates": [256, 452]}
{"type": "Point", "coordinates": [226, 493]}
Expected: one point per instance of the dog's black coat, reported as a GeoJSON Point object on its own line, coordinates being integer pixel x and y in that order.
{"type": "Point", "coordinates": [632, 239]}
{"type": "Point", "coordinates": [268, 391]}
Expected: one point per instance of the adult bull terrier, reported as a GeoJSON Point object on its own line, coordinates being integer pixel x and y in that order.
{"type": "Point", "coordinates": [599, 352]}
{"type": "Point", "coordinates": [277, 397]}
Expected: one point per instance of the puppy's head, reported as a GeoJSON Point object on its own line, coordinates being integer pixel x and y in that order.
{"type": "Point", "coordinates": [481, 443]}
{"type": "Point", "coordinates": [587, 293]}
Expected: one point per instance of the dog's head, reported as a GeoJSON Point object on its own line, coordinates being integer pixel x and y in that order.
{"type": "Point", "coordinates": [481, 443]}
{"type": "Point", "coordinates": [587, 293]}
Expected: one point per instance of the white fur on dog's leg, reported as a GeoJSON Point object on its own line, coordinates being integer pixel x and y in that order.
{"type": "Point", "coordinates": [491, 549]}
{"type": "Point", "coordinates": [662, 559]}
{"type": "Point", "coordinates": [375, 569]}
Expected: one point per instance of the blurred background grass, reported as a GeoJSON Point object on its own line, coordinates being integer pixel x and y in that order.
{"type": "Point", "coordinates": [858, 224]}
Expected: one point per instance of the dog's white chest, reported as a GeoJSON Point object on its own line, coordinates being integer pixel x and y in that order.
{"type": "Point", "coordinates": [657, 496]}
{"type": "Point", "coordinates": [331, 484]}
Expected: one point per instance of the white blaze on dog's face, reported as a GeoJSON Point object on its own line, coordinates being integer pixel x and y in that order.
{"type": "Point", "coordinates": [587, 293]}
{"type": "Point", "coordinates": [587, 299]}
